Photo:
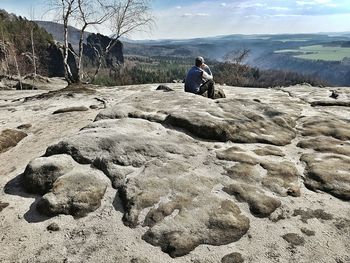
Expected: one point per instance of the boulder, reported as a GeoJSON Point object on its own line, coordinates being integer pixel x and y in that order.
{"type": "Point", "coordinates": [41, 173]}
{"type": "Point", "coordinates": [76, 193]}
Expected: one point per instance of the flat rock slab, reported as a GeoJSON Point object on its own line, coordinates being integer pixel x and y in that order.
{"type": "Point", "coordinates": [191, 172]}
{"type": "Point", "coordinates": [10, 138]}
{"type": "Point", "coordinates": [237, 120]}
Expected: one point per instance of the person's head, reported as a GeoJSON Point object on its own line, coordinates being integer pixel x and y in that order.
{"type": "Point", "coordinates": [199, 61]}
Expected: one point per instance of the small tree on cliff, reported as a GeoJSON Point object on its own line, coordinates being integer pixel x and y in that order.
{"type": "Point", "coordinates": [127, 16]}
{"type": "Point", "coordinates": [124, 17]}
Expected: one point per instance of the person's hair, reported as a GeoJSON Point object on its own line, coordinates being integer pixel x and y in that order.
{"type": "Point", "coordinates": [199, 61]}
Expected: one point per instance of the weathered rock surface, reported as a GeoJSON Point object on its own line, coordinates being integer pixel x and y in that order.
{"type": "Point", "coordinates": [232, 258]}
{"type": "Point", "coordinates": [3, 205]}
{"type": "Point", "coordinates": [153, 170]}
{"type": "Point", "coordinates": [41, 173]}
{"type": "Point", "coordinates": [9, 138]}
{"type": "Point", "coordinates": [307, 214]}
{"type": "Point", "coordinates": [329, 173]}
{"type": "Point", "coordinates": [269, 150]}
{"type": "Point", "coordinates": [328, 126]}
{"type": "Point", "coordinates": [238, 120]}
{"type": "Point", "coordinates": [326, 145]}
{"type": "Point", "coordinates": [294, 239]}
{"type": "Point", "coordinates": [71, 109]}
{"type": "Point", "coordinates": [76, 193]}
{"type": "Point", "coordinates": [189, 173]}
{"type": "Point", "coordinates": [259, 204]}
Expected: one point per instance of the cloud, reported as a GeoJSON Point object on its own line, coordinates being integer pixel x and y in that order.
{"type": "Point", "coordinates": [327, 3]}
{"type": "Point", "coordinates": [195, 15]}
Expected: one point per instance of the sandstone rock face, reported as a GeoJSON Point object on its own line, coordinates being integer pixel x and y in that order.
{"type": "Point", "coordinates": [192, 172]}
{"type": "Point", "coordinates": [238, 120]}
{"type": "Point", "coordinates": [328, 167]}
{"type": "Point", "coordinates": [153, 170]}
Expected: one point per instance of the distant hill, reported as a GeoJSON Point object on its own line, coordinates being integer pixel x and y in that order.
{"type": "Point", "coordinates": [263, 52]}
{"type": "Point", "coordinates": [56, 30]}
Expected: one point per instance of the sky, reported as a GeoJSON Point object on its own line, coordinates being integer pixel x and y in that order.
{"type": "Point", "coordinates": [197, 18]}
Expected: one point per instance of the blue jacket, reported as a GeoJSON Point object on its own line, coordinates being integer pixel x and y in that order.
{"type": "Point", "coordinates": [194, 78]}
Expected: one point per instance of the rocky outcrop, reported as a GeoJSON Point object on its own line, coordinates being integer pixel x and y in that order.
{"type": "Point", "coordinates": [96, 45]}
{"type": "Point", "coordinates": [55, 61]}
{"type": "Point", "coordinates": [190, 171]}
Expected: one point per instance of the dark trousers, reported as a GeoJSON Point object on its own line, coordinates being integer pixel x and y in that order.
{"type": "Point", "coordinates": [209, 87]}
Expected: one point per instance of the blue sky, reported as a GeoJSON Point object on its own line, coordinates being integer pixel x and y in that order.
{"type": "Point", "coordinates": [189, 18]}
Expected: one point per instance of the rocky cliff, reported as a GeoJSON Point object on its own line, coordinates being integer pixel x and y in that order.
{"type": "Point", "coordinates": [132, 174]}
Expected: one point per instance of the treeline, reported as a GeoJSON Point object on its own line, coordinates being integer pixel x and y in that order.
{"type": "Point", "coordinates": [143, 70]}
{"type": "Point", "coordinates": [235, 74]}
{"type": "Point", "coordinates": [336, 73]}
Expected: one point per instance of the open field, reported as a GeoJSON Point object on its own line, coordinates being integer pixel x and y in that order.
{"type": "Point", "coordinates": [319, 52]}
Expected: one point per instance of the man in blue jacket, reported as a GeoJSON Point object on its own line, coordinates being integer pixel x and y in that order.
{"type": "Point", "coordinates": [199, 79]}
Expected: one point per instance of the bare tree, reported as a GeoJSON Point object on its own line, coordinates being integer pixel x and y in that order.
{"type": "Point", "coordinates": [32, 18]}
{"type": "Point", "coordinates": [237, 56]}
{"type": "Point", "coordinates": [126, 16]}
{"type": "Point", "coordinates": [90, 13]}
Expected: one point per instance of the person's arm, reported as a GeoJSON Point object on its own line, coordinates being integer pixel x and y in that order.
{"type": "Point", "coordinates": [207, 69]}
{"type": "Point", "coordinates": [206, 76]}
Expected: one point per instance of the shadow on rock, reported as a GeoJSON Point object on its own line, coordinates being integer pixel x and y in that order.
{"type": "Point", "coordinates": [33, 216]}
{"type": "Point", "coordinates": [15, 187]}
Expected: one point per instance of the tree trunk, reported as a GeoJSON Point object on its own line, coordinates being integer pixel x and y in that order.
{"type": "Point", "coordinates": [33, 50]}
{"type": "Point", "coordinates": [18, 72]}
{"type": "Point", "coordinates": [106, 52]}
{"type": "Point", "coordinates": [69, 75]}
{"type": "Point", "coordinates": [81, 49]}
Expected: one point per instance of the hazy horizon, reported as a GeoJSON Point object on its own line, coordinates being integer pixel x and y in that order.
{"type": "Point", "coordinates": [195, 19]}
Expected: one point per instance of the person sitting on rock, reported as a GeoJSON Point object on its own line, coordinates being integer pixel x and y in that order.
{"type": "Point", "coordinates": [199, 79]}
